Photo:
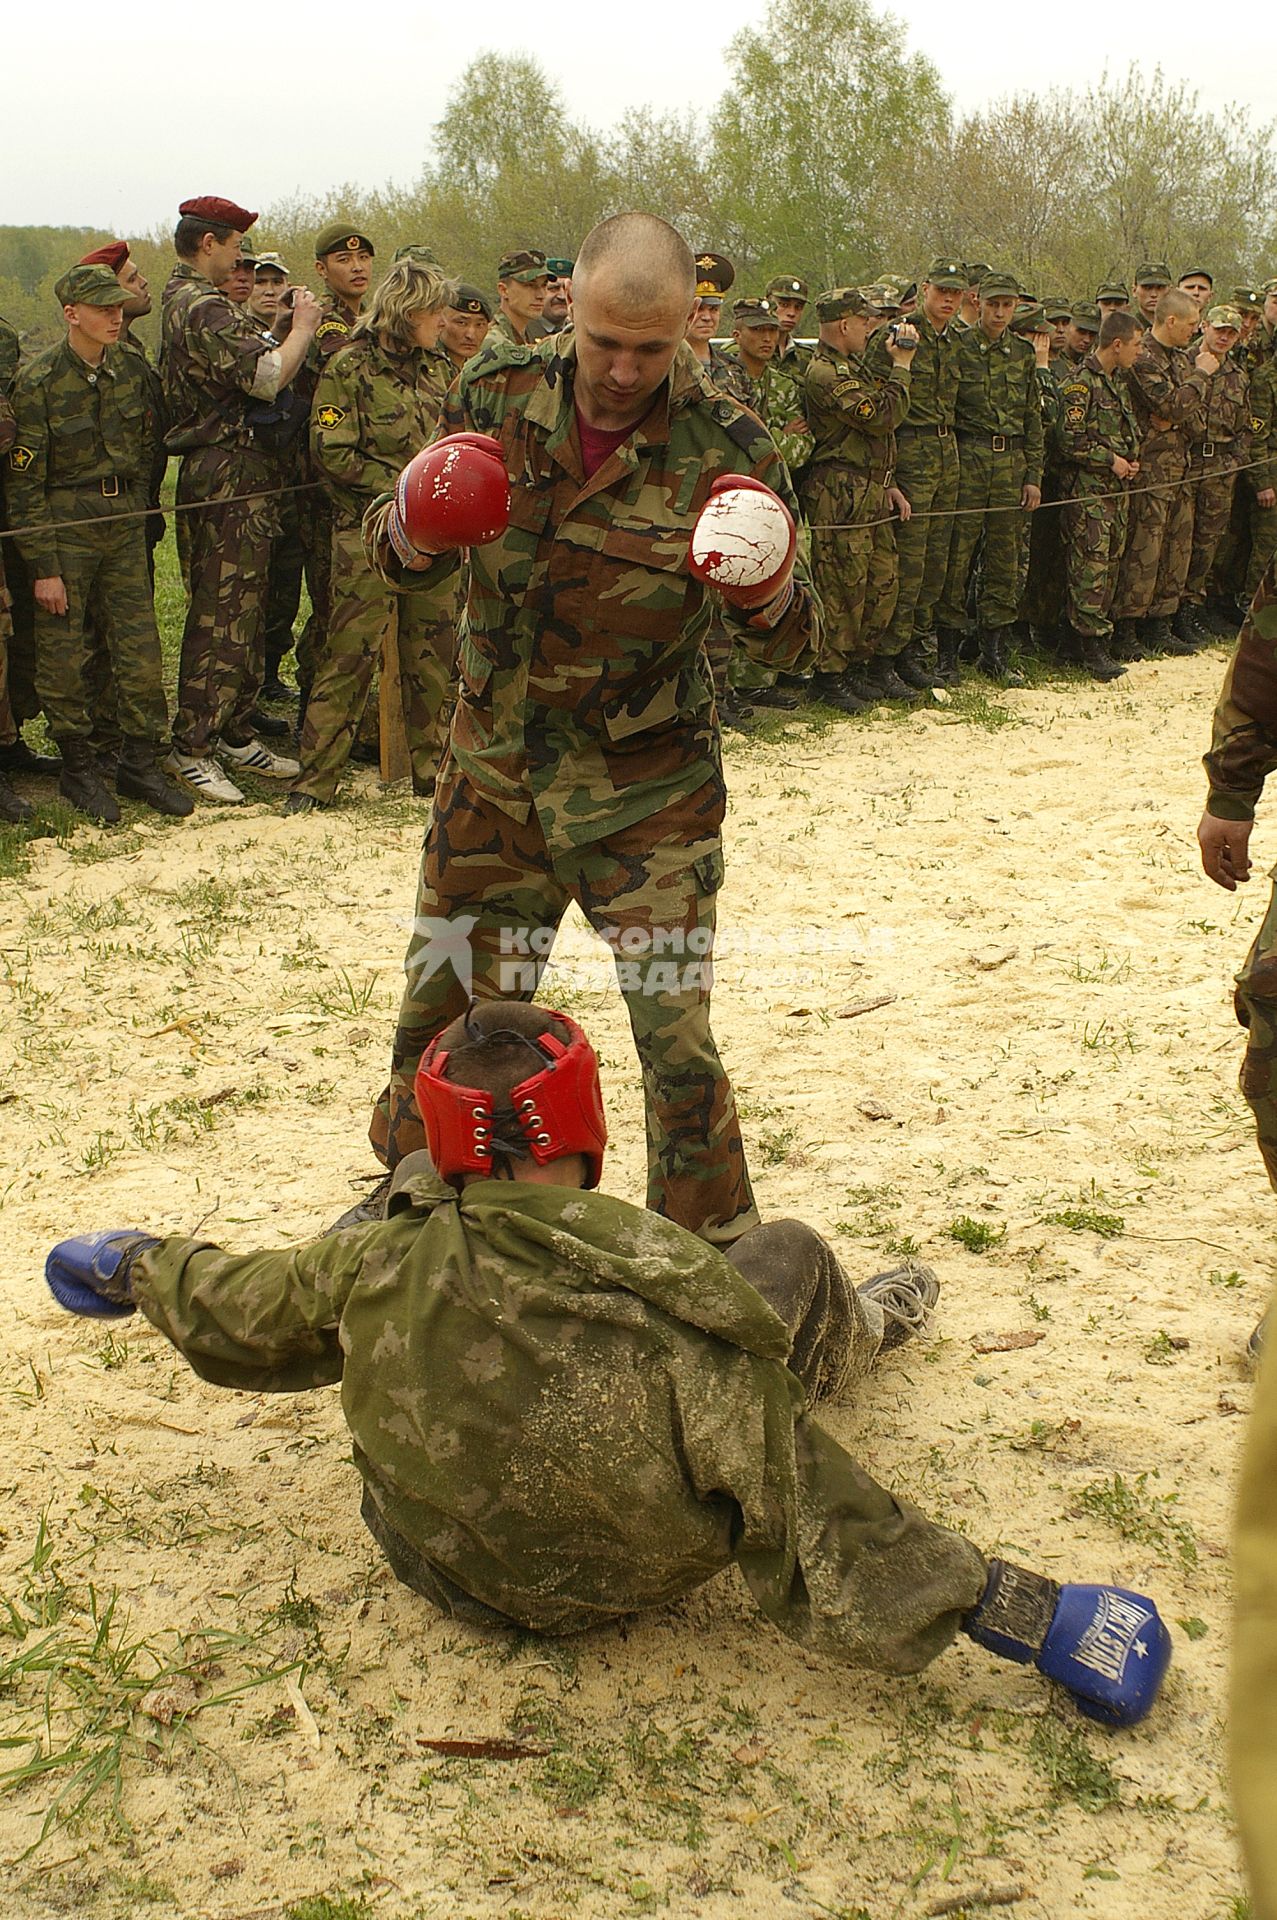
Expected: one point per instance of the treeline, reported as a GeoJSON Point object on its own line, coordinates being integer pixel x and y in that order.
{"type": "Point", "coordinates": [834, 151]}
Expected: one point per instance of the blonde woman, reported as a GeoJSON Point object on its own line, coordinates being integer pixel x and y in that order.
{"type": "Point", "coordinates": [375, 406]}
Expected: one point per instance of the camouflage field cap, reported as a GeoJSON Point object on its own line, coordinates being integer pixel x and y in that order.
{"type": "Point", "coordinates": [1086, 316]}
{"type": "Point", "coordinates": [560, 269]}
{"type": "Point", "coordinates": [786, 286]}
{"type": "Point", "coordinates": [1113, 290]}
{"type": "Point", "coordinates": [1246, 299]}
{"type": "Point", "coordinates": [1153, 273]}
{"type": "Point", "coordinates": [418, 250]}
{"type": "Point", "coordinates": [838, 302]}
{"type": "Point", "coordinates": [1197, 273]}
{"type": "Point", "coordinates": [248, 256]}
{"type": "Point", "coordinates": [524, 264]}
{"type": "Point", "coordinates": [884, 296]}
{"type": "Point", "coordinates": [1224, 317]}
{"type": "Point", "coordinates": [89, 287]}
{"type": "Point", "coordinates": [1033, 319]}
{"type": "Point", "coordinates": [1056, 307]}
{"type": "Point", "coordinates": [754, 313]}
{"type": "Point", "coordinates": [947, 272]}
{"type": "Point", "coordinates": [714, 275]}
{"type": "Point", "coordinates": [999, 286]}
{"type": "Point", "coordinates": [472, 300]}
{"type": "Point", "coordinates": [977, 270]}
{"type": "Point", "coordinates": [272, 263]}
{"type": "Point", "coordinates": [341, 236]}
{"type": "Point", "coordinates": [1269, 286]}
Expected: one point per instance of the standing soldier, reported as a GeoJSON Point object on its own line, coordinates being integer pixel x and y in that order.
{"type": "Point", "coordinates": [998, 422]}
{"type": "Point", "coordinates": [847, 491]}
{"type": "Point", "coordinates": [1252, 537]}
{"type": "Point", "coordinates": [1198, 285]}
{"type": "Point", "coordinates": [465, 326]}
{"type": "Point", "coordinates": [927, 475]}
{"type": "Point", "coordinates": [1151, 282]}
{"type": "Point", "coordinates": [1168, 392]}
{"type": "Point", "coordinates": [1112, 296]}
{"type": "Point", "coordinates": [522, 282]}
{"type": "Point", "coordinates": [1097, 441]}
{"type": "Point", "coordinates": [788, 296]}
{"type": "Point", "coordinates": [715, 275]}
{"type": "Point", "coordinates": [968, 313]}
{"type": "Point", "coordinates": [13, 808]}
{"type": "Point", "coordinates": [1080, 336]}
{"type": "Point", "coordinates": [557, 310]}
{"type": "Point", "coordinates": [216, 368]}
{"type": "Point", "coordinates": [83, 450]}
{"type": "Point", "coordinates": [1256, 343]}
{"type": "Point", "coordinates": [1212, 466]}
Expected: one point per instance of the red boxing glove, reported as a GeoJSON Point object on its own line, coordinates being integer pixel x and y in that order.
{"type": "Point", "coordinates": [453, 494]}
{"type": "Point", "coordinates": [743, 542]}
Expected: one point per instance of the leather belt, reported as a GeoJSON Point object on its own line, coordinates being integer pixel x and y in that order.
{"type": "Point", "coordinates": [941, 430]}
{"type": "Point", "coordinates": [996, 442]}
{"type": "Point", "coordinates": [113, 485]}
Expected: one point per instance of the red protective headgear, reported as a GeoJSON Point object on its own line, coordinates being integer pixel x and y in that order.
{"type": "Point", "coordinates": [556, 1111]}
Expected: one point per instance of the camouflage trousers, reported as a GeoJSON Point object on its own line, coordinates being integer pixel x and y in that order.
{"type": "Point", "coordinates": [24, 701]}
{"type": "Point", "coordinates": [227, 547]}
{"type": "Point", "coordinates": [987, 508]}
{"type": "Point", "coordinates": [1255, 999]}
{"type": "Point", "coordinates": [315, 529]}
{"type": "Point", "coordinates": [363, 610]}
{"type": "Point", "coordinates": [1248, 545]}
{"type": "Point", "coordinates": [283, 586]}
{"type": "Point", "coordinates": [1045, 587]}
{"type": "Point", "coordinates": [1093, 533]}
{"type": "Point", "coordinates": [855, 567]}
{"type": "Point", "coordinates": [927, 474]}
{"type": "Point", "coordinates": [651, 890]}
{"type": "Point", "coordinates": [109, 607]}
{"type": "Point", "coordinates": [1212, 508]}
{"type": "Point", "coordinates": [1159, 541]}
{"type": "Point", "coordinates": [8, 724]}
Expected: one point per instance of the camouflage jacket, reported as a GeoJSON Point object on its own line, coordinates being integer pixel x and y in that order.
{"type": "Point", "coordinates": [374, 408]}
{"type": "Point", "coordinates": [1096, 420]}
{"type": "Point", "coordinates": [155, 387]}
{"type": "Point", "coordinates": [776, 396]}
{"type": "Point", "coordinates": [502, 328]}
{"type": "Point", "coordinates": [1225, 426]}
{"type": "Point", "coordinates": [998, 394]}
{"type": "Point", "coordinates": [1168, 396]}
{"type": "Point", "coordinates": [569, 1407]}
{"type": "Point", "coordinates": [933, 375]}
{"type": "Point", "coordinates": [793, 358]}
{"type": "Point", "coordinates": [1262, 421]}
{"type": "Point", "coordinates": [76, 426]}
{"type": "Point", "coordinates": [211, 364]}
{"type": "Point", "coordinates": [1243, 749]}
{"type": "Point", "coordinates": [10, 356]}
{"type": "Point", "coordinates": [852, 413]}
{"type": "Point", "coordinates": [336, 325]}
{"type": "Point", "coordinates": [585, 691]}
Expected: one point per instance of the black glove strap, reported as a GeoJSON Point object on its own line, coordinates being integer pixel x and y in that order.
{"type": "Point", "coordinates": [1019, 1604]}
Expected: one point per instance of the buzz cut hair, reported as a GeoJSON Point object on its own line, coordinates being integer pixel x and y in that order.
{"type": "Point", "coordinates": [1119, 326]}
{"type": "Point", "coordinates": [1174, 305]}
{"type": "Point", "coordinates": [645, 253]}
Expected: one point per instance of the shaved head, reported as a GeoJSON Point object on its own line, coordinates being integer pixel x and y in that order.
{"type": "Point", "coordinates": [644, 262]}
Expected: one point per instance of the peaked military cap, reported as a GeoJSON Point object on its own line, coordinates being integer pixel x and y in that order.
{"type": "Point", "coordinates": [840, 301]}
{"type": "Point", "coordinates": [976, 271]}
{"type": "Point", "coordinates": [998, 286]}
{"type": "Point", "coordinates": [416, 250]}
{"type": "Point", "coordinates": [787, 287]}
{"type": "Point", "coordinates": [1224, 317]}
{"type": "Point", "coordinates": [1113, 290]}
{"type": "Point", "coordinates": [1086, 316]}
{"type": "Point", "coordinates": [947, 272]}
{"type": "Point", "coordinates": [560, 269]}
{"type": "Point", "coordinates": [1153, 273]}
{"type": "Point", "coordinates": [1033, 319]}
{"type": "Point", "coordinates": [754, 313]}
{"type": "Point", "coordinates": [1269, 286]}
{"type": "Point", "coordinates": [220, 213]}
{"type": "Point", "coordinates": [714, 275]}
{"type": "Point", "coordinates": [341, 236]}
{"type": "Point", "coordinates": [1056, 307]}
{"type": "Point", "coordinates": [472, 300]}
{"type": "Point", "coordinates": [272, 262]}
{"type": "Point", "coordinates": [114, 255]}
{"type": "Point", "coordinates": [89, 287]}
{"type": "Point", "coordinates": [1246, 299]}
{"type": "Point", "coordinates": [524, 264]}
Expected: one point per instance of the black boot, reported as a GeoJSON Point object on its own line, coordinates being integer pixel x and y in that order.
{"type": "Point", "coordinates": [1186, 627]}
{"type": "Point", "coordinates": [1126, 641]}
{"type": "Point", "coordinates": [272, 726]}
{"type": "Point", "coordinates": [1219, 619]}
{"type": "Point", "coordinates": [13, 808]}
{"type": "Point", "coordinates": [948, 672]}
{"type": "Point", "coordinates": [138, 777]}
{"type": "Point", "coordinates": [1157, 639]}
{"type": "Point", "coordinates": [784, 699]}
{"type": "Point", "coordinates": [18, 757]}
{"type": "Point", "coordinates": [832, 689]}
{"type": "Point", "coordinates": [993, 658]}
{"type": "Point", "coordinates": [887, 683]}
{"type": "Point", "coordinates": [81, 783]}
{"type": "Point", "coordinates": [914, 667]}
{"type": "Point", "coordinates": [1096, 660]}
{"type": "Point", "coordinates": [858, 682]}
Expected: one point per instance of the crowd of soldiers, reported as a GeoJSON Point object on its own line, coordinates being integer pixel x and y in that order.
{"type": "Point", "coordinates": [979, 470]}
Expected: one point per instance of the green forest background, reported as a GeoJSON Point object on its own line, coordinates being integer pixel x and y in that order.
{"type": "Point", "coordinates": [833, 151]}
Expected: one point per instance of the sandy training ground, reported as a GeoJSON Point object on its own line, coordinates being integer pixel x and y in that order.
{"type": "Point", "coordinates": [214, 1696]}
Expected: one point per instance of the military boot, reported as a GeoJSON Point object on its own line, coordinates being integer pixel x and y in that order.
{"type": "Point", "coordinates": [857, 681]}
{"type": "Point", "coordinates": [948, 672]}
{"type": "Point", "coordinates": [81, 783]}
{"type": "Point", "coordinates": [887, 683]}
{"type": "Point", "coordinates": [1186, 627]}
{"type": "Point", "coordinates": [993, 658]}
{"type": "Point", "coordinates": [138, 777]}
{"type": "Point", "coordinates": [1126, 641]}
{"type": "Point", "coordinates": [1157, 638]}
{"type": "Point", "coordinates": [18, 757]}
{"type": "Point", "coordinates": [13, 808]}
{"type": "Point", "coordinates": [1096, 660]}
{"type": "Point", "coordinates": [832, 689]}
{"type": "Point", "coordinates": [1220, 619]}
{"type": "Point", "coordinates": [914, 666]}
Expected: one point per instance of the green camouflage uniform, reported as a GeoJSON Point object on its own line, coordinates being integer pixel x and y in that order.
{"type": "Point", "coordinates": [1096, 421]}
{"type": "Point", "coordinates": [853, 416]}
{"type": "Point", "coordinates": [1168, 396]}
{"type": "Point", "coordinates": [314, 507]}
{"type": "Point", "coordinates": [83, 450]}
{"type": "Point", "coordinates": [1213, 461]}
{"type": "Point", "coordinates": [1044, 588]}
{"type": "Point", "coordinates": [374, 408]}
{"type": "Point", "coordinates": [584, 757]}
{"type": "Point", "coordinates": [998, 423]}
{"type": "Point", "coordinates": [1252, 534]}
{"type": "Point", "coordinates": [211, 364]}
{"type": "Point", "coordinates": [23, 700]}
{"type": "Point", "coordinates": [8, 723]}
{"type": "Point", "coordinates": [565, 1410]}
{"type": "Point", "coordinates": [927, 474]}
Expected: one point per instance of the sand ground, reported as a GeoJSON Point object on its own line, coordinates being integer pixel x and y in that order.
{"type": "Point", "coordinates": [195, 1630]}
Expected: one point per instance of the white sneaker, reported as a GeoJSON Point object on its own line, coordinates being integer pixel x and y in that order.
{"type": "Point", "coordinates": [255, 758]}
{"type": "Point", "coordinates": [204, 777]}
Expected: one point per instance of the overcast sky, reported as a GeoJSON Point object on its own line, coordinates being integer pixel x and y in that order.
{"type": "Point", "coordinates": [110, 118]}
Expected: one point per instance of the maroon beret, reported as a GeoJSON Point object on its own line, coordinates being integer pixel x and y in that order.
{"type": "Point", "coordinates": [113, 255]}
{"type": "Point", "coordinates": [222, 213]}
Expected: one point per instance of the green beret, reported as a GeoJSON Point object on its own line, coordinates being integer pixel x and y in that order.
{"type": "Point", "coordinates": [1087, 316]}
{"type": "Point", "coordinates": [472, 300]}
{"type": "Point", "coordinates": [840, 301]}
{"type": "Point", "coordinates": [947, 272]}
{"type": "Point", "coordinates": [999, 286]}
{"type": "Point", "coordinates": [524, 264]}
{"type": "Point", "coordinates": [786, 286]}
{"type": "Point", "coordinates": [340, 236]}
{"type": "Point", "coordinates": [754, 313]}
{"type": "Point", "coordinates": [560, 269]}
{"type": "Point", "coordinates": [1153, 273]}
{"type": "Point", "coordinates": [89, 287]}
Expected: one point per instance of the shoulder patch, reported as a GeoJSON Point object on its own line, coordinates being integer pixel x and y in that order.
{"type": "Point", "coordinates": [329, 416]}
{"type": "Point", "coordinates": [20, 458]}
{"type": "Point", "coordinates": [1075, 415]}
{"type": "Point", "coordinates": [1078, 387]}
{"type": "Point", "coordinates": [330, 326]}
{"type": "Point", "coordinates": [865, 409]}
{"type": "Point", "coordinates": [845, 386]}
{"type": "Point", "coordinates": [1256, 424]}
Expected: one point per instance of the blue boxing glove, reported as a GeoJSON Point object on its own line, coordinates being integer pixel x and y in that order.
{"type": "Point", "coordinates": [1107, 1645]}
{"type": "Point", "coordinates": [92, 1274]}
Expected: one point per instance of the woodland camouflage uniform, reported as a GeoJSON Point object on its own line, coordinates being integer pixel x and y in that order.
{"type": "Point", "coordinates": [1168, 396]}
{"type": "Point", "coordinates": [1213, 460]}
{"type": "Point", "coordinates": [1096, 420]}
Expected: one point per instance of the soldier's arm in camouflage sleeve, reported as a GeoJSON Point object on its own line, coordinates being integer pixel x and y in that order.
{"type": "Point", "coordinates": [8, 425]}
{"type": "Point", "coordinates": [1182, 405]}
{"type": "Point", "coordinates": [337, 430]}
{"type": "Point", "coordinates": [25, 479]}
{"type": "Point", "coordinates": [231, 347]}
{"type": "Point", "coordinates": [1034, 438]}
{"type": "Point", "coordinates": [10, 355]}
{"type": "Point", "coordinates": [1243, 749]}
{"type": "Point", "coordinates": [1260, 420]}
{"type": "Point", "coordinates": [872, 406]}
{"type": "Point", "coordinates": [1075, 440]}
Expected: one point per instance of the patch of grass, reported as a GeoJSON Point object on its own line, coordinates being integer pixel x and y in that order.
{"type": "Point", "coordinates": [970, 704]}
{"type": "Point", "coordinates": [1160, 1352]}
{"type": "Point", "coordinates": [1086, 1220]}
{"type": "Point", "coordinates": [977, 1236]}
{"type": "Point", "coordinates": [1103, 970]}
{"type": "Point", "coordinates": [1231, 1279]}
{"type": "Point", "coordinates": [1193, 1628]}
{"type": "Point", "coordinates": [776, 1145]}
{"type": "Point", "coordinates": [1149, 1518]}
{"type": "Point", "coordinates": [1106, 1038]}
{"type": "Point", "coordinates": [344, 996]}
{"type": "Point", "coordinates": [1070, 1768]}
{"type": "Point", "coordinates": [329, 1906]}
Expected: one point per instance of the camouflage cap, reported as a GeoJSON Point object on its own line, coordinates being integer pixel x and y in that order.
{"type": "Point", "coordinates": [247, 257]}
{"type": "Point", "coordinates": [1153, 273]}
{"type": "Point", "coordinates": [1269, 286]}
{"type": "Point", "coordinates": [560, 269]}
{"type": "Point", "coordinates": [1033, 319]}
{"type": "Point", "coordinates": [472, 300]}
{"type": "Point", "coordinates": [1056, 307]}
{"type": "Point", "coordinates": [418, 250]}
{"type": "Point", "coordinates": [1224, 317]}
{"type": "Point", "coordinates": [272, 262]}
{"type": "Point", "coordinates": [341, 236]}
{"type": "Point", "coordinates": [840, 301]}
{"type": "Point", "coordinates": [999, 286]}
{"type": "Point", "coordinates": [977, 270]}
{"type": "Point", "coordinates": [89, 287]}
{"type": "Point", "coordinates": [714, 275]}
{"type": "Point", "coordinates": [1246, 299]}
{"type": "Point", "coordinates": [787, 286]}
{"type": "Point", "coordinates": [1112, 290]}
{"type": "Point", "coordinates": [1086, 316]}
{"type": "Point", "coordinates": [524, 264]}
{"type": "Point", "coordinates": [947, 272]}
{"type": "Point", "coordinates": [882, 297]}
{"type": "Point", "coordinates": [754, 313]}
{"type": "Point", "coordinates": [1197, 273]}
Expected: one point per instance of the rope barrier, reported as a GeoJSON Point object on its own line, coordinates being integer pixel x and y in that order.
{"type": "Point", "coordinates": [144, 513]}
